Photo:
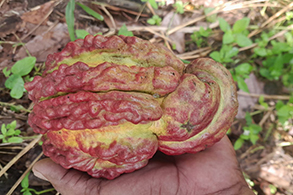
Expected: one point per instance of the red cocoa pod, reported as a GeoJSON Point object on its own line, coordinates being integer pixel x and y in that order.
{"type": "Point", "coordinates": [106, 104]}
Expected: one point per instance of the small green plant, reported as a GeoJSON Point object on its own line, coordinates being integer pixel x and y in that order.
{"type": "Point", "coordinates": [225, 54]}
{"type": "Point", "coordinates": [235, 35]}
{"type": "Point", "coordinates": [277, 58]}
{"type": "Point", "coordinates": [9, 134]}
{"type": "Point", "coordinates": [124, 31]}
{"type": "Point", "coordinates": [27, 191]}
{"type": "Point", "coordinates": [199, 36]}
{"type": "Point", "coordinates": [210, 18]}
{"type": "Point", "coordinates": [284, 111]}
{"type": "Point", "coordinates": [179, 5]}
{"type": "Point", "coordinates": [250, 133]}
{"type": "Point", "coordinates": [240, 73]}
{"type": "Point", "coordinates": [15, 80]}
{"type": "Point", "coordinates": [155, 20]}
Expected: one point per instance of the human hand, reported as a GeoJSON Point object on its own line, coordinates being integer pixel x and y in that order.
{"type": "Point", "coordinates": [213, 171]}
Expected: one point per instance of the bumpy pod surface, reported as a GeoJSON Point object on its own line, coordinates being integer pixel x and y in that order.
{"type": "Point", "coordinates": [106, 104]}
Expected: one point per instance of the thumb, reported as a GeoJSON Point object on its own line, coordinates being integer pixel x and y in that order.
{"type": "Point", "coordinates": [65, 181]}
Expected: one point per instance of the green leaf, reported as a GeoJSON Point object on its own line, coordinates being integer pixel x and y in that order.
{"type": "Point", "coordinates": [90, 11]}
{"type": "Point", "coordinates": [13, 125]}
{"type": "Point", "coordinates": [24, 66]}
{"type": "Point", "coordinates": [185, 61]}
{"type": "Point", "coordinates": [216, 56]}
{"type": "Point", "coordinates": [231, 52]}
{"type": "Point", "coordinates": [124, 31]}
{"type": "Point", "coordinates": [16, 84]}
{"type": "Point", "coordinates": [228, 37]}
{"type": "Point", "coordinates": [241, 25]}
{"type": "Point", "coordinates": [25, 182]}
{"type": "Point", "coordinates": [17, 91]}
{"type": "Point", "coordinates": [242, 40]}
{"type": "Point", "coordinates": [69, 16]}
{"type": "Point", "coordinates": [17, 132]}
{"type": "Point", "coordinates": [179, 7]}
{"type": "Point", "coordinates": [211, 18]}
{"type": "Point", "coordinates": [10, 132]}
{"type": "Point", "coordinates": [204, 32]}
{"type": "Point", "coordinates": [254, 128]}
{"type": "Point", "coordinates": [1, 136]}
{"type": "Point", "coordinates": [248, 118]}
{"type": "Point", "coordinates": [260, 51]}
{"type": "Point", "coordinates": [224, 26]}
{"type": "Point", "coordinates": [238, 144]}
{"type": "Point", "coordinates": [243, 69]}
{"type": "Point", "coordinates": [241, 84]}
{"type": "Point", "coordinates": [151, 21]}
{"type": "Point", "coordinates": [265, 73]}
{"type": "Point", "coordinates": [27, 192]}
{"type": "Point", "coordinates": [12, 81]}
{"type": "Point", "coordinates": [15, 140]}
{"type": "Point", "coordinates": [154, 20]}
{"type": "Point", "coordinates": [253, 138]}
{"type": "Point", "coordinates": [81, 34]}
{"type": "Point", "coordinates": [3, 129]}
{"type": "Point", "coordinates": [153, 3]}
{"type": "Point", "coordinates": [262, 102]}
{"type": "Point", "coordinates": [6, 72]}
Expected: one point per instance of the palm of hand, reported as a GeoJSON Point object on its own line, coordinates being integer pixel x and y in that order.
{"type": "Point", "coordinates": [213, 171]}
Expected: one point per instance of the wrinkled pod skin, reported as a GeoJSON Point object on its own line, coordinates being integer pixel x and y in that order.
{"type": "Point", "coordinates": [105, 105]}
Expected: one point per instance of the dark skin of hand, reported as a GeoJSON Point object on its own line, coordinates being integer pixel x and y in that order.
{"type": "Point", "coordinates": [213, 171]}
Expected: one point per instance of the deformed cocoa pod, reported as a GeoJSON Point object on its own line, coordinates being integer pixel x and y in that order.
{"type": "Point", "coordinates": [106, 104]}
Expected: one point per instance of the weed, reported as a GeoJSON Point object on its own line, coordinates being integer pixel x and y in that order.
{"type": "Point", "coordinates": [9, 134]}
{"type": "Point", "coordinates": [15, 81]}
{"type": "Point", "coordinates": [124, 31]}
{"type": "Point", "coordinates": [250, 133]}
{"type": "Point", "coordinates": [27, 191]}
{"type": "Point", "coordinates": [155, 20]}
{"type": "Point", "coordinates": [199, 36]}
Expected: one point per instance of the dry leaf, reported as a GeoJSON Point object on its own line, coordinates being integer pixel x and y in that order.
{"type": "Point", "coordinates": [177, 37]}
{"type": "Point", "coordinates": [37, 15]}
{"type": "Point", "coordinates": [245, 102]}
{"type": "Point", "coordinates": [46, 43]}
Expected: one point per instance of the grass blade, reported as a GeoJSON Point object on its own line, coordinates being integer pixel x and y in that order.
{"type": "Point", "coordinates": [90, 11]}
{"type": "Point", "coordinates": [69, 15]}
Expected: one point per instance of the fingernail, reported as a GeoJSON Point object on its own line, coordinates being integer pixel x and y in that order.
{"type": "Point", "coordinates": [40, 175]}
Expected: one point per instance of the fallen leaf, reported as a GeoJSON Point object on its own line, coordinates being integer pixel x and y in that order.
{"type": "Point", "coordinates": [178, 37]}
{"type": "Point", "coordinates": [37, 15]}
{"type": "Point", "coordinates": [46, 43]}
{"type": "Point", "coordinates": [246, 102]}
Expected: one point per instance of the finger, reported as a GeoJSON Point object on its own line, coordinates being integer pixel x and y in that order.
{"type": "Point", "coordinates": [65, 181]}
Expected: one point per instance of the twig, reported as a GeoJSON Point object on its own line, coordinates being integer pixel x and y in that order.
{"type": "Point", "coordinates": [271, 19]}
{"type": "Point", "coordinates": [228, 7]}
{"type": "Point", "coordinates": [194, 52]}
{"type": "Point", "coordinates": [265, 117]}
{"type": "Point", "coordinates": [109, 15]}
{"type": "Point", "coordinates": [151, 9]}
{"type": "Point", "coordinates": [276, 97]}
{"type": "Point", "coordinates": [139, 14]}
{"type": "Point", "coordinates": [19, 155]}
{"type": "Point", "coordinates": [23, 175]}
{"type": "Point", "coordinates": [12, 104]}
{"type": "Point", "coordinates": [279, 34]}
{"type": "Point", "coordinates": [158, 34]}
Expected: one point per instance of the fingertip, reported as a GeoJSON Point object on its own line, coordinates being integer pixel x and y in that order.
{"type": "Point", "coordinates": [47, 170]}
